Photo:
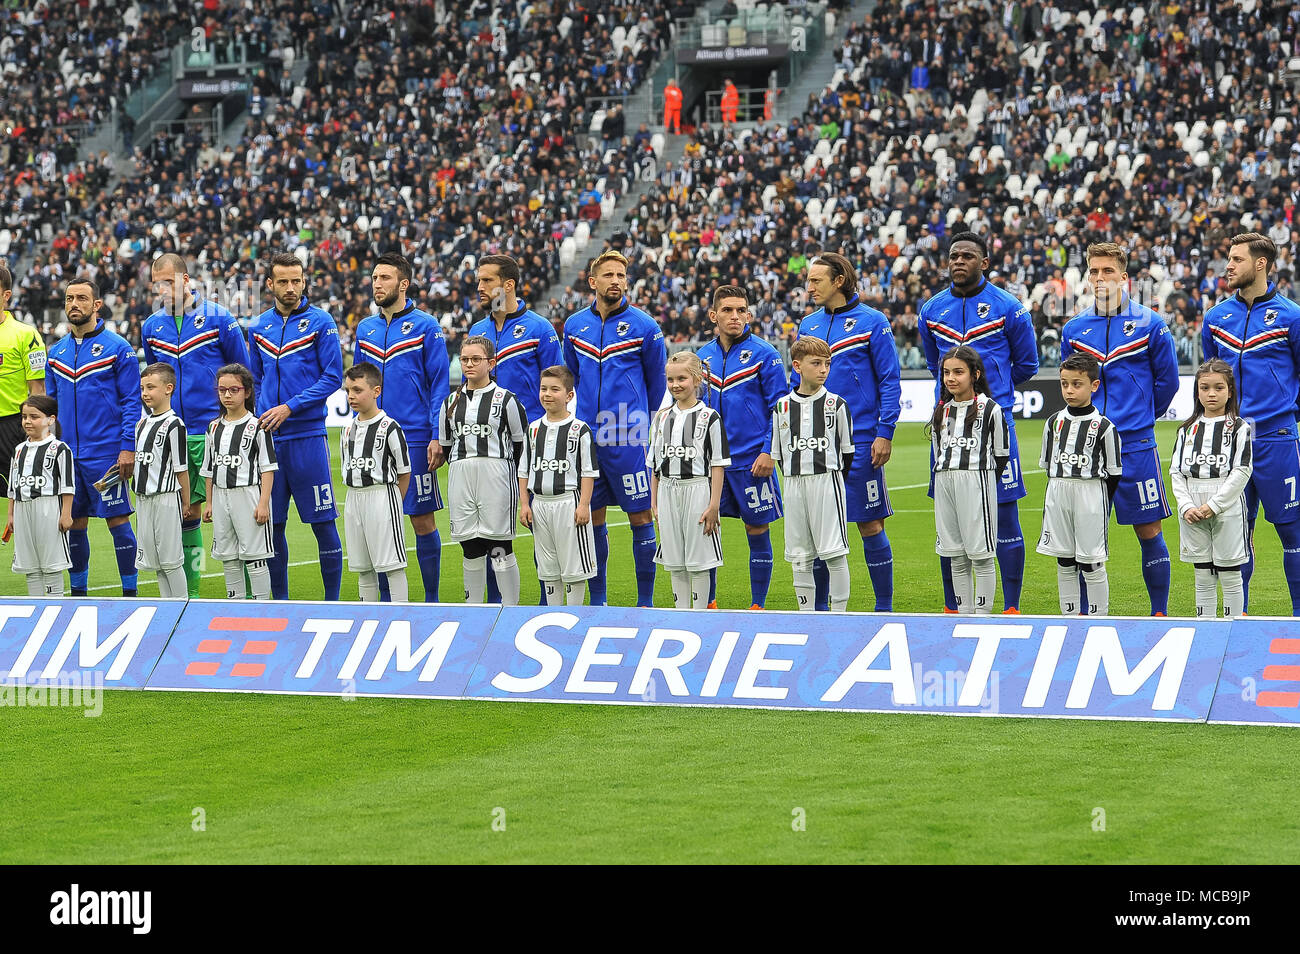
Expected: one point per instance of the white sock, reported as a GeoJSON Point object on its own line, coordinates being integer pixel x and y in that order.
{"type": "Point", "coordinates": [475, 579]}
{"type": "Point", "coordinates": [506, 569]}
{"type": "Point", "coordinates": [36, 584]}
{"type": "Point", "coordinates": [575, 594]}
{"type": "Point", "coordinates": [1207, 594]}
{"type": "Point", "coordinates": [54, 584]}
{"type": "Point", "coordinates": [174, 581]}
{"type": "Point", "coordinates": [1067, 587]}
{"type": "Point", "coordinates": [259, 577]}
{"type": "Point", "coordinates": [839, 571]}
{"type": "Point", "coordinates": [986, 584]}
{"type": "Point", "coordinates": [700, 590]}
{"type": "Point", "coordinates": [234, 571]}
{"type": "Point", "coordinates": [681, 581]}
{"type": "Point", "coordinates": [368, 586]}
{"type": "Point", "coordinates": [805, 588]}
{"type": "Point", "coordinates": [1233, 593]}
{"type": "Point", "coordinates": [397, 591]}
{"type": "Point", "coordinates": [553, 591]}
{"type": "Point", "coordinates": [962, 584]}
{"type": "Point", "coordinates": [1098, 591]}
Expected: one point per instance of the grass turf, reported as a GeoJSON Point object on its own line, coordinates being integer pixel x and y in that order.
{"type": "Point", "coordinates": [285, 779]}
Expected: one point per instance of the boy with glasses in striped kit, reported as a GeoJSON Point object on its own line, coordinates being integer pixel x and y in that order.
{"type": "Point", "coordinates": [161, 481]}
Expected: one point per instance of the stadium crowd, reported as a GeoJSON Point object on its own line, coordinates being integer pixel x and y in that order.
{"type": "Point", "coordinates": [480, 147]}
{"type": "Point", "coordinates": [1025, 121]}
{"type": "Point", "coordinates": [1045, 125]}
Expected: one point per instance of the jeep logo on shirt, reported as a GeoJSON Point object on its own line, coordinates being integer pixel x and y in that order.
{"type": "Point", "coordinates": [810, 443]}
{"type": "Point", "coordinates": [1072, 460]}
{"type": "Point", "coordinates": [965, 443]}
{"type": "Point", "coordinates": [144, 459]}
{"type": "Point", "coordinates": [227, 460]}
{"type": "Point", "coordinates": [1219, 460]}
{"type": "Point", "coordinates": [359, 463]}
{"type": "Point", "coordinates": [560, 466]}
{"type": "Point", "coordinates": [679, 452]}
{"type": "Point", "coordinates": [472, 430]}
{"type": "Point", "coordinates": [36, 482]}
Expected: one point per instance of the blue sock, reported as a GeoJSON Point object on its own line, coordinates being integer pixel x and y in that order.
{"type": "Point", "coordinates": [822, 582]}
{"type": "Point", "coordinates": [331, 557]}
{"type": "Point", "coordinates": [880, 564]}
{"type": "Point", "coordinates": [79, 553]}
{"type": "Point", "coordinates": [643, 556]}
{"type": "Point", "coordinates": [760, 567]}
{"type": "Point", "coordinates": [1248, 568]}
{"type": "Point", "coordinates": [493, 591]}
{"type": "Point", "coordinates": [1011, 554]}
{"type": "Point", "coordinates": [541, 590]}
{"type": "Point", "coordinates": [428, 556]}
{"type": "Point", "coordinates": [949, 591]}
{"type": "Point", "coordinates": [713, 585]}
{"type": "Point", "coordinates": [278, 565]}
{"type": "Point", "coordinates": [1290, 536]}
{"type": "Point", "coordinates": [1083, 596]}
{"type": "Point", "coordinates": [124, 549]}
{"type": "Point", "coordinates": [1155, 572]}
{"type": "Point", "coordinates": [385, 595]}
{"type": "Point", "coordinates": [599, 596]}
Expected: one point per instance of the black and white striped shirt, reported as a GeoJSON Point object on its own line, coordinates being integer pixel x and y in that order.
{"type": "Point", "coordinates": [160, 454]}
{"type": "Point", "coordinates": [483, 423]}
{"type": "Point", "coordinates": [811, 433]}
{"type": "Point", "coordinates": [41, 469]}
{"type": "Point", "coordinates": [972, 435]}
{"type": "Point", "coordinates": [1080, 446]}
{"type": "Point", "coordinates": [373, 452]}
{"type": "Point", "coordinates": [686, 444]}
{"type": "Point", "coordinates": [1212, 447]}
{"type": "Point", "coordinates": [237, 453]}
{"type": "Point", "coordinates": [559, 455]}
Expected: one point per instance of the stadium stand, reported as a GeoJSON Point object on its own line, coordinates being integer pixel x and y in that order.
{"type": "Point", "coordinates": [454, 130]}
{"type": "Point", "coordinates": [449, 136]}
{"type": "Point", "coordinates": [1047, 127]}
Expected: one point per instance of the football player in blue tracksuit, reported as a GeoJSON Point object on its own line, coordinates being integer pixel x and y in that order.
{"type": "Point", "coordinates": [744, 378]}
{"type": "Point", "coordinates": [1139, 378]}
{"type": "Point", "coordinates": [972, 311]}
{"type": "Point", "coordinates": [297, 365]}
{"type": "Point", "coordinates": [408, 348]}
{"type": "Point", "coordinates": [1257, 331]}
{"type": "Point", "coordinates": [525, 343]}
{"type": "Point", "coordinates": [195, 337]}
{"type": "Point", "coordinates": [95, 376]}
{"type": "Point", "coordinates": [617, 356]}
{"type": "Point", "coordinates": [864, 372]}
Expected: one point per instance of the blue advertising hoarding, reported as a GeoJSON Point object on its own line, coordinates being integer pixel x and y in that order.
{"type": "Point", "coordinates": [1050, 666]}
{"type": "Point", "coordinates": [117, 640]}
{"type": "Point", "coordinates": [1260, 682]}
{"type": "Point", "coordinates": [389, 649]}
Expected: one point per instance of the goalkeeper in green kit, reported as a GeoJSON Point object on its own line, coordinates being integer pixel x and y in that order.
{"type": "Point", "coordinates": [196, 337]}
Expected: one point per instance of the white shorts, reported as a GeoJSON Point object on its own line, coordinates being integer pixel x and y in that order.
{"type": "Point", "coordinates": [39, 546]}
{"type": "Point", "coordinates": [235, 534]}
{"type": "Point", "coordinates": [1224, 539]}
{"type": "Point", "coordinates": [1076, 520]}
{"type": "Point", "coordinates": [158, 532]}
{"type": "Point", "coordinates": [816, 527]}
{"type": "Point", "coordinates": [966, 513]}
{"type": "Point", "coordinates": [683, 544]}
{"type": "Point", "coordinates": [564, 551]}
{"type": "Point", "coordinates": [482, 499]}
{"type": "Point", "coordinates": [373, 530]}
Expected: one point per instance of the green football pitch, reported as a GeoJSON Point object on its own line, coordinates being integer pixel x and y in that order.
{"type": "Point", "coordinates": [177, 777]}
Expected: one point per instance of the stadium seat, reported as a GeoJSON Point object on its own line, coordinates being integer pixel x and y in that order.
{"type": "Point", "coordinates": [1198, 129]}
{"type": "Point", "coordinates": [828, 207]}
{"type": "Point", "coordinates": [895, 219]}
{"type": "Point", "coordinates": [6, 239]}
{"type": "Point", "coordinates": [618, 37]}
{"type": "Point", "coordinates": [769, 194]}
{"type": "Point", "coordinates": [971, 214]}
{"type": "Point", "coordinates": [809, 161]}
{"type": "Point", "coordinates": [953, 215]}
{"type": "Point", "coordinates": [900, 264]}
{"type": "Point", "coordinates": [1220, 128]}
{"type": "Point", "coordinates": [582, 235]}
{"type": "Point", "coordinates": [1040, 199]}
{"type": "Point", "coordinates": [1090, 150]}
{"type": "Point", "coordinates": [938, 155]}
{"type": "Point", "coordinates": [1081, 195]}
{"type": "Point", "coordinates": [1058, 200]}
{"type": "Point", "coordinates": [997, 153]}
{"type": "Point", "coordinates": [657, 143]}
{"type": "Point", "coordinates": [857, 219]}
{"type": "Point", "coordinates": [302, 255]}
{"type": "Point", "coordinates": [736, 36]}
{"type": "Point", "coordinates": [1248, 221]}
{"type": "Point", "coordinates": [1110, 148]}
{"type": "Point", "coordinates": [839, 146]}
{"type": "Point", "coordinates": [565, 26]}
{"type": "Point", "coordinates": [1015, 186]}
{"type": "Point", "coordinates": [1010, 213]}
{"type": "Point", "coordinates": [1080, 136]}
{"type": "Point", "coordinates": [1180, 128]}
{"type": "Point", "coordinates": [1061, 227]}
{"type": "Point", "coordinates": [1138, 15]}
{"type": "Point", "coordinates": [607, 206]}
